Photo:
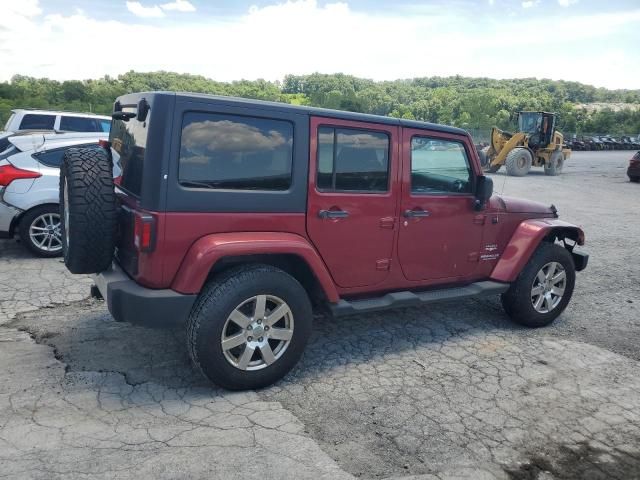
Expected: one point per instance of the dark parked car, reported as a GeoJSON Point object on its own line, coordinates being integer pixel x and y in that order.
{"type": "Point", "coordinates": [233, 217]}
{"type": "Point", "coordinates": [634, 168]}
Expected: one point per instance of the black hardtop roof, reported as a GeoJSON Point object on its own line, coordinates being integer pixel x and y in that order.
{"type": "Point", "coordinates": [321, 112]}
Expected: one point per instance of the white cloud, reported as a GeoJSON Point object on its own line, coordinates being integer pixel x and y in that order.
{"type": "Point", "coordinates": [179, 6]}
{"type": "Point", "coordinates": [141, 11]}
{"type": "Point", "coordinates": [530, 3]}
{"type": "Point", "coordinates": [259, 44]}
{"type": "Point", "coordinates": [566, 3]}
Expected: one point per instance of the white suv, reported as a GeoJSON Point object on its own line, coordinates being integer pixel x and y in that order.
{"type": "Point", "coordinates": [29, 186]}
{"type": "Point", "coordinates": [25, 119]}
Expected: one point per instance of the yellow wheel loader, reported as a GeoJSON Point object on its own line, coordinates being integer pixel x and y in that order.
{"type": "Point", "coordinates": [537, 143]}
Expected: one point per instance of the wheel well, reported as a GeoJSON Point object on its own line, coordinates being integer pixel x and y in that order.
{"type": "Point", "coordinates": [15, 223]}
{"type": "Point", "coordinates": [564, 234]}
{"type": "Point", "coordinates": [294, 265]}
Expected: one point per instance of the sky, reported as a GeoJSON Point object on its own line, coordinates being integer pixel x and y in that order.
{"type": "Point", "coordinates": [591, 41]}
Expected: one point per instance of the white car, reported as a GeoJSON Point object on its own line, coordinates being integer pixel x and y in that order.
{"type": "Point", "coordinates": [29, 187]}
{"type": "Point", "coordinates": [26, 119]}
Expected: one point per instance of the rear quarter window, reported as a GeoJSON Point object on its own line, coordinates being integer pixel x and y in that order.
{"type": "Point", "coordinates": [53, 158]}
{"type": "Point", "coordinates": [232, 152]}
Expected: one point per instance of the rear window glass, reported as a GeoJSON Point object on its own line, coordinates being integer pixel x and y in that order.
{"type": "Point", "coordinates": [128, 145]}
{"type": "Point", "coordinates": [235, 152]}
{"type": "Point", "coordinates": [79, 124]}
{"type": "Point", "coordinates": [37, 122]}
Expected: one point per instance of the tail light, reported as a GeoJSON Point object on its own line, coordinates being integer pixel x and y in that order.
{"type": "Point", "coordinates": [9, 173]}
{"type": "Point", "coordinates": [106, 144]}
{"type": "Point", "coordinates": [144, 232]}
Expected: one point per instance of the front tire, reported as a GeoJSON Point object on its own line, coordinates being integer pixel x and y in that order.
{"type": "Point", "coordinates": [543, 289]}
{"type": "Point", "coordinates": [249, 327]}
{"type": "Point", "coordinates": [518, 162]}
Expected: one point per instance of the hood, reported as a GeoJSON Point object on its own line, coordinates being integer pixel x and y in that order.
{"type": "Point", "coordinates": [520, 205]}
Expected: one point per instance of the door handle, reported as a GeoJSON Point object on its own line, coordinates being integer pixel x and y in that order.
{"type": "Point", "coordinates": [333, 214]}
{"type": "Point", "coordinates": [416, 213]}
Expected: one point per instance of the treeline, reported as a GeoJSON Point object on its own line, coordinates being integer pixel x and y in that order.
{"type": "Point", "coordinates": [471, 103]}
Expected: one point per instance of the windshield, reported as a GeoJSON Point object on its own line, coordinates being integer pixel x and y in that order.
{"type": "Point", "coordinates": [529, 122]}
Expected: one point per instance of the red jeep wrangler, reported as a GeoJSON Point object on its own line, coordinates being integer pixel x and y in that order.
{"type": "Point", "coordinates": [232, 217]}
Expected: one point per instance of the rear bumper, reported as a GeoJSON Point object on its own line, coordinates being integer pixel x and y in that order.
{"type": "Point", "coordinates": [132, 303]}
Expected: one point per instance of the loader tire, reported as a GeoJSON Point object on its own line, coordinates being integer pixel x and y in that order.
{"type": "Point", "coordinates": [87, 210]}
{"type": "Point", "coordinates": [555, 164]}
{"type": "Point", "coordinates": [518, 162]}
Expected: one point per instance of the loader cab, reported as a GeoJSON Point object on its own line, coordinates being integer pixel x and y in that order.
{"type": "Point", "coordinates": [539, 126]}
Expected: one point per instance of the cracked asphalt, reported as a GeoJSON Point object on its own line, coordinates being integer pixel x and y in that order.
{"type": "Point", "coordinates": [441, 392]}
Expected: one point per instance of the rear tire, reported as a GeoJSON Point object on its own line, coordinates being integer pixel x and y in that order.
{"type": "Point", "coordinates": [634, 179]}
{"type": "Point", "coordinates": [87, 210]}
{"type": "Point", "coordinates": [518, 162]}
{"type": "Point", "coordinates": [555, 164]}
{"type": "Point", "coordinates": [40, 231]}
{"type": "Point", "coordinates": [543, 289]}
{"type": "Point", "coordinates": [229, 336]}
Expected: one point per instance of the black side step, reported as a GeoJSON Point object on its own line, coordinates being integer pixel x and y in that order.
{"type": "Point", "coordinates": [411, 299]}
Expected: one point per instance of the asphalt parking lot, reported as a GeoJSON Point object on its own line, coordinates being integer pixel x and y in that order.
{"type": "Point", "coordinates": [453, 391]}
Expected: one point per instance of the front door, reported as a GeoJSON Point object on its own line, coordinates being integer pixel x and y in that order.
{"type": "Point", "coordinates": [353, 189]}
{"type": "Point", "coordinates": [440, 232]}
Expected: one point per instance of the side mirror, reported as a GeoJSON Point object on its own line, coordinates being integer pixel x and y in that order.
{"type": "Point", "coordinates": [484, 190]}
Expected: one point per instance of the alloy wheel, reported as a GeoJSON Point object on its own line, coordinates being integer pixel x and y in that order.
{"type": "Point", "coordinates": [44, 232]}
{"type": "Point", "coordinates": [548, 287]}
{"type": "Point", "coordinates": [257, 332]}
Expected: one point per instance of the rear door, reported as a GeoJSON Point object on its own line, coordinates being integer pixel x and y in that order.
{"type": "Point", "coordinates": [352, 200]}
{"type": "Point", "coordinates": [440, 232]}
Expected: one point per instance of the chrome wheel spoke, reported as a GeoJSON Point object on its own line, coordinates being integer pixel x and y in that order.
{"type": "Point", "coordinates": [558, 291]}
{"type": "Point", "coordinates": [261, 304]}
{"type": "Point", "coordinates": [245, 358]}
{"type": "Point", "coordinates": [559, 277]}
{"type": "Point", "coordinates": [539, 290]}
{"type": "Point", "coordinates": [239, 318]}
{"type": "Point", "coordinates": [267, 353]}
{"type": "Point", "coordinates": [548, 305]}
{"type": "Point", "coordinates": [280, 334]}
{"type": "Point", "coordinates": [277, 314]}
{"type": "Point", "coordinates": [538, 302]}
{"type": "Point", "coordinates": [233, 342]}
{"type": "Point", "coordinates": [542, 278]}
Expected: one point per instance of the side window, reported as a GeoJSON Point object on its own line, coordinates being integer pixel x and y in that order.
{"type": "Point", "coordinates": [352, 160]}
{"type": "Point", "coordinates": [33, 121]}
{"type": "Point", "coordinates": [439, 166]}
{"type": "Point", "coordinates": [235, 152]}
{"type": "Point", "coordinates": [78, 124]}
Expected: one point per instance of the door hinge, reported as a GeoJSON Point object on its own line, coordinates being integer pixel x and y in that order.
{"type": "Point", "coordinates": [479, 219]}
{"type": "Point", "coordinates": [387, 222]}
{"type": "Point", "coordinates": [383, 264]}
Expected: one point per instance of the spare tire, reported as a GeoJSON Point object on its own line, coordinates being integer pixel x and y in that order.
{"type": "Point", "coordinates": [87, 210]}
